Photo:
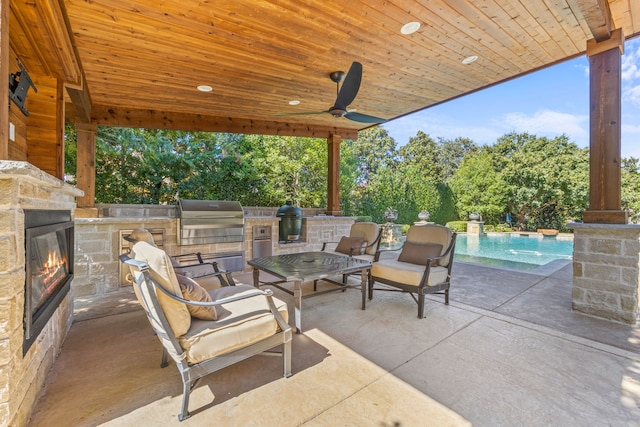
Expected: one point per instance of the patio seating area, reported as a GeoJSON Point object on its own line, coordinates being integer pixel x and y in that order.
{"type": "Point", "coordinates": [508, 350]}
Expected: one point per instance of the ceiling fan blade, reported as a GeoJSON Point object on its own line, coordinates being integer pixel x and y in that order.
{"type": "Point", "coordinates": [302, 113]}
{"type": "Point", "coordinates": [350, 87]}
{"type": "Point", "coordinates": [362, 118]}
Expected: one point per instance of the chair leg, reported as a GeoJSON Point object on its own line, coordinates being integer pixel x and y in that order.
{"type": "Point", "coordinates": [286, 355]}
{"type": "Point", "coordinates": [420, 305]}
{"type": "Point", "coordinates": [186, 391]}
{"type": "Point", "coordinates": [315, 285]}
{"type": "Point", "coordinates": [446, 296]}
{"type": "Point", "coordinates": [164, 363]}
{"type": "Point", "coordinates": [370, 287]}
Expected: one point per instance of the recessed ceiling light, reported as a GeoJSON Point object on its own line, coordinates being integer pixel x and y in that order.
{"type": "Point", "coordinates": [410, 28]}
{"type": "Point", "coordinates": [205, 88]}
{"type": "Point", "coordinates": [469, 59]}
{"type": "Point", "coordinates": [294, 102]}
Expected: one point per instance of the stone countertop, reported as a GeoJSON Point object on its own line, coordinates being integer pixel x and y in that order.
{"type": "Point", "coordinates": [582, 225]}
{"type": "Point", "coordinates": [125, 220]}
{"type": "Point", "coordinates": [119, 220]}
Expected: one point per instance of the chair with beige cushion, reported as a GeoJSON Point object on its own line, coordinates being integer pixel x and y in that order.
{"type": "Point", "coordinates": [422, 267]}
{"type": "Point", "coordinates": [205, 331]}
{"type": "Point", "coordinates": [362, 242]}
{"type": "Point", "coordinates": [206, 273]}
{"type": "Point", "coordinates": [192, 265]}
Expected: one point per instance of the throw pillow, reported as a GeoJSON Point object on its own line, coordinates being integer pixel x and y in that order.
{"type": "Point", "coordinates": [194, 292]}
{"type": "Point", "coordinates": [418, 253]}
{"type": "Point", "coordinates": [346, 243]}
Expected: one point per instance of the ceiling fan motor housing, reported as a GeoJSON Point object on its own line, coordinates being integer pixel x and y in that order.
{"type": "Point", "coordinates": [337, 112]}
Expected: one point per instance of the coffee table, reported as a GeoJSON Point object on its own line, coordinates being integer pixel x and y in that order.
{"type": "Point", "coordinates": [306, 266]}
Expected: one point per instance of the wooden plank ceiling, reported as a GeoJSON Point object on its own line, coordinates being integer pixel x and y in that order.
{"type": "Point", "coordinates": [143, 59]}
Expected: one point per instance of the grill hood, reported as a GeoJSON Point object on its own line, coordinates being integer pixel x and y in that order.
{"type": "Point", "coordinates": [209, 221]}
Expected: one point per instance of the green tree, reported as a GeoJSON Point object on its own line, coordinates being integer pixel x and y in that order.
{"type": "Point", "coordinates": [547, 182]}
{"type": "Point", "coordinates": [423, 153]}
{"type": "Point", "coordinates": [479, 187]}
{"type": "Point", "coordinates": [390, 188]}
{"type": "Point", "coordinates": [630, 175]}
{"type": "Point", "coordinates": [451, 154]}
{"type": "Point", "coordinates": [293, 168]}
{"type": "Point", "coordinates": [70, 154]}
{"type": "Point", "coordinates": [374, 149]}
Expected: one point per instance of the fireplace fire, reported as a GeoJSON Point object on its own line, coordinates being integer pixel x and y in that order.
{"type": "Point", "coordinates": [49, 267]}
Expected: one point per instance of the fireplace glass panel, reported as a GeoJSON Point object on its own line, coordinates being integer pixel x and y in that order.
{"type": "Point", "coordinates": [49, 266]}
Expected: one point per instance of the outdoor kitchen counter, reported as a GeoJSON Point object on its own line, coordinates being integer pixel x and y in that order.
{"type": "Point", "coordinates": [98, 241]}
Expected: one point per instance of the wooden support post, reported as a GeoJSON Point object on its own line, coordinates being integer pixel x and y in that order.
{"type": "Point", "coordinates": [333, 176]}
{"type": "Point", "coordinates": [605, 204]}
{"type": "Point", "coordinates": [86, 164]}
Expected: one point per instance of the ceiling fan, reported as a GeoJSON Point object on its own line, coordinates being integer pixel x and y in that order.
{"type": "Point", "coordinates": [345, 96]}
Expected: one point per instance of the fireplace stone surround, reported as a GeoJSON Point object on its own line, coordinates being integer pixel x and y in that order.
{"type": "Point", "coordinates": [23, 186]}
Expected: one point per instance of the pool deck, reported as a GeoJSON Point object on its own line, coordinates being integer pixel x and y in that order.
{"type": "Point", "coordinates": [507, 351]}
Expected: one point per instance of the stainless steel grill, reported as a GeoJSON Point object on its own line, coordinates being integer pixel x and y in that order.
{"type": "Point", "coordinates": [209, 221]}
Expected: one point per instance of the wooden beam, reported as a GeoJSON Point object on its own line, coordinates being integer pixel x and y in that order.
{"type": "Point", "coordinates": [59, 120]}
{"type": "Point", "coordinates": [605, 84]}
{"type": "Point", "coordinates": [81, 102]}
{"type": "Point", "coordinates": [333, 176]}
{"type": "Point", "coordinates": [86, 163]}
{"type": "Point", "coordinates": [615, 42]}
{"type": "Point", "coordinates": [152, 119]}
{"type": "Point", "coordinates": [598, 16]}
{"type": "Point", "coordinates": [45, 26]}
{"type": "Point", "coordinates": [4, 79]}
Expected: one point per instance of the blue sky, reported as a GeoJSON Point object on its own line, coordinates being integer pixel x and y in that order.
{"type": "Point", "coordinates": [548, 103]}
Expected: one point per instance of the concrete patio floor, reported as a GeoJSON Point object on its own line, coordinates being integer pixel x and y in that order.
{"type": "Point", "coordinates": [507, 351]}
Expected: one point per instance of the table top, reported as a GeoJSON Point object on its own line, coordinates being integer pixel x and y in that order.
{"type": "Point", "coordinates": [309, 265]}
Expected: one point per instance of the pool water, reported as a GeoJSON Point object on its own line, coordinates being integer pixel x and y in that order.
{"type": "Point", "coordinates": [512, 250]}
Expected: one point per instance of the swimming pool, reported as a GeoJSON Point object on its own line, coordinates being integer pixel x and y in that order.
{"type": "Point", "coordinates": [512, 250]}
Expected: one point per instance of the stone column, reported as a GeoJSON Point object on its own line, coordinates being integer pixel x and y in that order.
{"type": "Point", "coordinates": [606, 273]}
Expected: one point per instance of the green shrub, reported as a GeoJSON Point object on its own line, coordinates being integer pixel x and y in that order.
{"type": "Point", "coordinates": [488, 228]}
{"type": "Point", "coordinates": [364, 218]}
{"type": "Point", "coordinates": [457, 226]}
{"type": "Point", "coordinates": [405, 228]}
{"type": "Point", "coordinates": [506, 228]}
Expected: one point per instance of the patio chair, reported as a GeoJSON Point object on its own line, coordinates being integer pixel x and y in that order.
{"type": "Point", "coordinates": [224, 326]}
{"type": "Point", "coordinates": [192, 265]}
{"type": "Point", "coordinates": [422, 267]}
{"type": "Point", "coordinates": [362, 242]}
{"type": "Point", "coordinates": [206, 273]}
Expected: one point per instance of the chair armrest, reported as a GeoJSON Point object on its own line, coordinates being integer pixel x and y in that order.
{"type": "Point", "coordinates": [268, 293]}
{"type": "Point", "coordinates": [198, 255]}
{"type": "Point", "coordinates": [324, 245]}
{"type": "Point", "coordinates": [257, 292]}
{"type": "Point", "coordinates": [205, 269]}
{"type": "Point", "coordinates": [379, 252]}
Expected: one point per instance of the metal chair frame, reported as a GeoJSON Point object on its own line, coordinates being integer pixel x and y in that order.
{"type": "Point", "coordinates": [422, 289]}
{"type": "Point", "coordinates": [191, 374]}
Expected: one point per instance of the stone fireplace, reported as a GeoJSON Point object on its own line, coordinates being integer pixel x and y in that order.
{"type": "Point", "coordinates": [48, 267]}
{"type": "Point", "coordinates": [25, 193]}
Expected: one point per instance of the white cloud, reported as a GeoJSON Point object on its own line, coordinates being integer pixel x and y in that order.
{"type": "Point", "coordinates": [551, 124]}
{"type": "Point", "coordinates": [440, 126]}
{"type": "Point", "coordinates": [631, 72]}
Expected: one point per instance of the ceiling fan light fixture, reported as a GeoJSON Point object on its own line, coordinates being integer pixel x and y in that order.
{"type": "Point", "coordinates": [469, 59]}
{"type": "Point", "coordinates": [294, 102]}
{"type": "Point", "coordinates": [205, 88]}
{"type": "Point", "coordinates": [410, 28]}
